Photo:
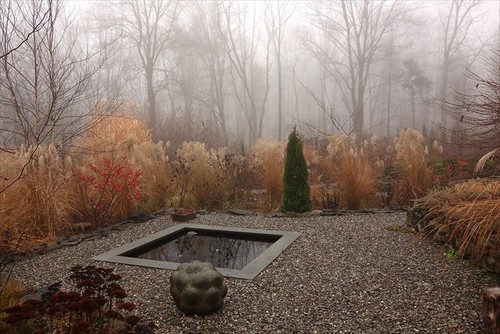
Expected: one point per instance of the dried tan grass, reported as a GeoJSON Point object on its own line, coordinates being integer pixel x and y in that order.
{"type": "Point", "coordinates": [411, 162]}
{"type": "Point", "coordinates": [325, 197]}
{"type": "Point", "coordinates": [156, 183]}
{"type": "Point", "coordinates": [121, 130]}
{"type": "Point", "coordinates": [268, 157]}
{"type": "Point", "coordinates": [204, 174]}
{"type": "Point", "coordinates": [11, 292]}
{"type": "Point", "coordinates": [352, 171]}
{"type": "Point", "coordinates": [472, 190]}
{"type": "Point", "coordinates": [356, 179]}
{"type": "Point", "coordinates": [468, 214]}
{"type": "Point", "coordinates": [315, 163]}
{"type": "Point", "coordinates": [340, 145]}
{"type": "Point", "coordinates": [40, 205]}
{"type": "Point", "coordinates": [482, 162]}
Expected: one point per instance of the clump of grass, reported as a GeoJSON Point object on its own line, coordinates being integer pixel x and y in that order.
{"type": "Point", "coordinates": [314, 160]}
{"type": "Point", "coordinates": [412, 166]}
{"type": "Point", "coordinates": [451, 253]}
{"type": "Point", "coordinates": [268, 157]}
{"type": "Point", "coordinates": [325, 197]}
{"type": "Point", "coordinates": [119, 131]}
{"type": "Point", "coordinates": [240, 177]}
{"type": "Point", "coordinates": [113, 148]}
{"type": "Point", "coordinates": [200, 172]}
{"type": "Point", "coordinates": [40, 205]}
{"type": "Point", "coordinates": [10, 292]}
{"type": "Point", "coordinates": [352, 171]}
{"type": "Point", "coordinates": [468, 213]}
{"type": "Point", "coordinates": [156, 181]}
{"type": "Point", "coordinates": [357, 180]}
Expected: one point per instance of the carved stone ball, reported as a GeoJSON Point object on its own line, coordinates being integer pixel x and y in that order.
{"type": "Point", "coordinates": [197, 288]}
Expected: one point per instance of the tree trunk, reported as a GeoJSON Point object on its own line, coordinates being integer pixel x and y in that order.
{"type": "Point", "coordinates": [412, 106]}
{"type": "Point", "coordinates": [280, 97]}
{"type": "Point", "coordinates": [389, 91]}
{"type": "Point", "coordinates": [151, 101]}
{"type": "Point", "coordinates": [444, 85]}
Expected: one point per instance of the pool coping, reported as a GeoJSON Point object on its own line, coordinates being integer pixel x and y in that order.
{"type": "Point", "coordinates": [250, 271]}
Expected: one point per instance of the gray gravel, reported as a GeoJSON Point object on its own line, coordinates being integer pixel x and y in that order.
{"type": "Point", "coordinates": [345, 274]}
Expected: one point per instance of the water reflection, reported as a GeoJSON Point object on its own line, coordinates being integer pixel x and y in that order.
{"type": "Point", "coordinates": [222, 252]}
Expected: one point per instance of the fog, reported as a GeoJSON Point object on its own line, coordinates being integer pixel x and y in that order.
{"type": "Point", "coordinates": [229, 72]}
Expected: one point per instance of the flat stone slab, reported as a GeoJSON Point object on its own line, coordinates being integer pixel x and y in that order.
{"type": "Point", "coordinates": [239, 212]}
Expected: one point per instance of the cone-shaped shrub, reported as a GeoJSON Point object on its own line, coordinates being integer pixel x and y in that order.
{"type": "Point", "coordinates": [295, 181]}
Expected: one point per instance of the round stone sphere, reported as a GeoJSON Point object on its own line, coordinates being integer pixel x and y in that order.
{"type": "Point", "coordinates": [197, 288]}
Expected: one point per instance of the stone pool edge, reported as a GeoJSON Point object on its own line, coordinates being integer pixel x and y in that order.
{"type": "Point", "coordinates": [250, 271]}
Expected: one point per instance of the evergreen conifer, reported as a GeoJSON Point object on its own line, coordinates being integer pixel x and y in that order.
{"type": "Point", "coordinates": [296, 192]}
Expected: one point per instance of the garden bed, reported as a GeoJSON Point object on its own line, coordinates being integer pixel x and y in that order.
{"type": "Point", "coordinates": [351, 273]}
{"type": "Point", "coordinates": [464, 217]}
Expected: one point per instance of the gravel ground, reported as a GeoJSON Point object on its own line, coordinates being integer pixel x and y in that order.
{"type": "Point", "coordinates": [344, 274]}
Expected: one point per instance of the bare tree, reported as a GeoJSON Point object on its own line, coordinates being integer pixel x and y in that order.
{"type": "Point", "coordinates": [356, 29]}
{"type": "Point", "coordinates": [241, 43]}
{"type": "Point", "coordinates": [277, 15]}
{"type": "Point", "coordinates": [149, 25]}
{"type": "Point", "coordinates": [456, 24]}
{"type": "Point", "coordinates": [8, 22]}
{"type": "Point", "coordinates": [478, 112]}
{"type": "Point", "coordinates": [43, 84]}
{"type": "Point", "coordinates": [208, 47]}
{"type": "Point", "coordinates": [416, 83]}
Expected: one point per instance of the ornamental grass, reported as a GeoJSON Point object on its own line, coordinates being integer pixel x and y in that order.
{"type": "Point", "coordinates": [199, 176]}
{"type": "Point", "coordinates": [469, 215]}
{"type": "Point", "coordinates": [411, 165]}
{"type": "Point", "coordinates": [351, 171]}
{"type": "Point", "coordinates": [39, 205]}
{"type": "Point", "coordinates": [268, 157]}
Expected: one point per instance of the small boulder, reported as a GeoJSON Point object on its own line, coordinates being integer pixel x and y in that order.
{"type": "Point", "coordinates": [197, 288]}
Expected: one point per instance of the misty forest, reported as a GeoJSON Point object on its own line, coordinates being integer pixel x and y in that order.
{"type": "Point", "coordinates": [113, 108]}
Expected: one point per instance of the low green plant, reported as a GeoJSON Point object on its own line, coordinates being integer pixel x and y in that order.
{"type": "Point", "coordinates": [451, 253]}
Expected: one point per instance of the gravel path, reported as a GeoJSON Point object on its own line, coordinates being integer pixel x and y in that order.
{"type": "Point", "coordinates": [345, 274]}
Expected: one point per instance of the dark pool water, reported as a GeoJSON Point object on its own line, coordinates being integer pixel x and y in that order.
{"type": "Point", "coordinates": [223, 251]}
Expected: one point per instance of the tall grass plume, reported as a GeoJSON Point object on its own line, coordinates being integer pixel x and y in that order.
{"type": "Point", "coordinates": [200, 173]}
{"type": "Point", "coordinates": [268, 157]}
{"type": "Point", "coordinates": [40, 205]}
{"type": "Point", "coordinates": [412, 165]}
{"type": "Point", "coordinates": [351, 171]}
